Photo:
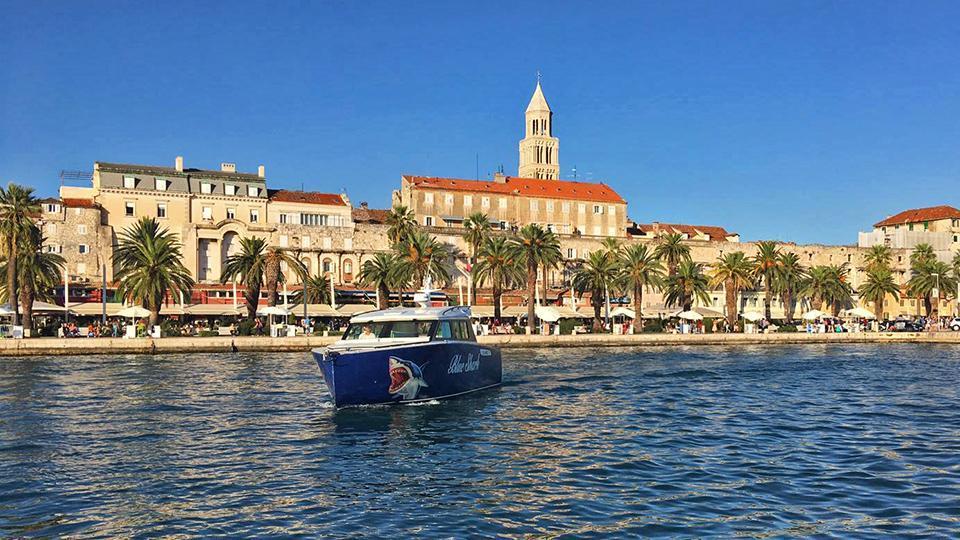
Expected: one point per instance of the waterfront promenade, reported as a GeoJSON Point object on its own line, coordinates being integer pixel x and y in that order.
{"type": "Point", "coordinates": [82, 346]}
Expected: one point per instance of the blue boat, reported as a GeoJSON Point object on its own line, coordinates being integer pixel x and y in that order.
{"type": "Point", "coordinates": [406, 355]}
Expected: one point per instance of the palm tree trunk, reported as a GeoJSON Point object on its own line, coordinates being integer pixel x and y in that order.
{"type": "Point", "coordinates": [531, 294]}
{"type": "Point", "coordinates": [637, 316]}
{"type": "Point", "coordinates": [26, 305]}
{"type": "Point", "coordinates": [788, 303]}
{"type": "Point", "coordinates": [473, 282]}
{"type": "Point", "coordinates": [731, 299]}
{"type": "Point", "coordinates": [497, 294]}
{"type": "Point", "coordinates": [544, 272]}
{"type": "Point", "coordinates": [384, 302]}
{"type": "Point", "coordinates": [878, 305]}
{"type": "Point", "coordinates": [272, 277]}
{"type": "Point", "coordinates": [154, 317]}
{"type": "Point", "coordinates": [927, 305]}
{"type": "Point", "coordinates": [767, 298]}
{"type": "Point", "coordinates": [12, 276]}
{"type": "Point", "coordinates": [597, 323]}
{"type": "Point", "coordinates": [252, 300]}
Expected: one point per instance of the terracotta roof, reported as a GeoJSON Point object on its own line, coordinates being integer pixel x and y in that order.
{"type": "Point", "coordinates": [714, 232]}
{"type": "Point", "coordinates": [370, 215]}
{"type": "Point", "coordinates": [79, 203]}
{"type": "Point", "coordinates": [306, 197]}
{"type": "Point", "coordinates": [919, 215]}
{"type": "Point", "coordinates": [529, 187]}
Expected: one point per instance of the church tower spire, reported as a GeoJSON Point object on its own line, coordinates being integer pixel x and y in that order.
{"type": "Point", "coordinates": [539, 149]}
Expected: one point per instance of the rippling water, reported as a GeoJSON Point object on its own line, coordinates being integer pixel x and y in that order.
{"type": "Point", "coordinates": [799, 440]}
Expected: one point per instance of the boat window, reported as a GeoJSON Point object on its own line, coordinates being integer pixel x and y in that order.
{"type": "Point", "coordinates": [410, 329]}
{"type": "Point", "coordinates": [388, 329]}
{"type": "Point", "coordinates": [461, 331]}
{"type": "Point", "coordinates": [443, 331]}
{"type": "Point", "coordinates": [369, 330]}
{"type": "Point", "coordinates": [456, 330]}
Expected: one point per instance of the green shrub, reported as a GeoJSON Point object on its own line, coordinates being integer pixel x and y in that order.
{"type": "Point", "coordinates": [245, 328]}
{"type": "Point", "coordinates": [169, 328]}
{"type": "Point", "coordinates": [787, 329]}
{"type": "Point", "coordinates": [653, 325]}
{"type": "Point", "coordinates": [567, 325]}
{"type": "Point", "coordinates": [207, 333]}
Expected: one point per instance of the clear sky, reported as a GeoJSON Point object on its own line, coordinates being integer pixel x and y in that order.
{"type": "Point", "coordinates": [797, 121]}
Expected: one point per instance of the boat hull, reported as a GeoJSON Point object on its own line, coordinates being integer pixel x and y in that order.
{"type": "Point", "coordinates": [405, 374]}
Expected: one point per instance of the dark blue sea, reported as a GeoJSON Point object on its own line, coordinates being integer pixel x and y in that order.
{"type": "Point", "coordinates": [836, 441]}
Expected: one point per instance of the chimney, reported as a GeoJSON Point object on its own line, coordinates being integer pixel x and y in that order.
{"type": "Point", "coordinates": [499, 178]}
{"type": "Point", "coordinates": [261, 171]}
{"type": "Point", "coordinates": [228, 167]}
{"type": "Point", "coordinates": [179, 163]}
{"type": "Point", "coordinates": [364, 205]}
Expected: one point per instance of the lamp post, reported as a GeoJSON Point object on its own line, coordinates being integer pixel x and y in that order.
{"type": "Point", "coordinates": [936, 299]}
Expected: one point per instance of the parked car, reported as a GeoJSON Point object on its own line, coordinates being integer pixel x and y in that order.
{"type": "Point", "coordinates": [955, 324]}
{"type": "Point", "coordinates": [903, 325]}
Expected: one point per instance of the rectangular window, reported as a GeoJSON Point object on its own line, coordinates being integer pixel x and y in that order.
{"type": "Point", "coordinates": [468, 200]}
{"type": "Point", "coordinates": [571, 253]}
{"type": "Point", "coordinates": [81, 229]}
{"type": "Point", "coordinates": [926, 225]}
{"type": "Point", "coordinates": [84, 249]}
{"type": "Point", "coordinates": [428, 198]}
{"type": "Point", "coordinates": [207, 213]}
{"type": "Point", "coordinates": [448, 200]}
{"type": "Point", "coordinates": [52, 208]}
{"type": "Point", "coordinates": [253, 191]}
{"type": "Point", "coordinates": [549, 206]}
{"type": "Point", "coordinates": [230, 189]}
{"type": "Point", "coordinates": [129, 209]}
{"type": "Point", "coordinates": [910, 227]}
{"type": "Point", "coordinates": [254, 216]}
{"type": "Point", "coordinates": [612, 210]}
{"type": "Point", "coordinates": [206, 188]}
{"type": "Point", "coordinates": [161, 210]}
{"type": "Point", "coordinates": [52, 229]}
{"type": "Point", "coordinates": [428, 221]}
{"type": "Point", "coordinates": [52, 248]}
{"type": "Point", "coordinates": [129, 182]}
{"type": "Point", "coordinates": [597, 209]}
{"type": "Point", "coordinates": [565, 208]}
{"type": "Point", "coordinates": [283, 218]}
{"type": "Point", "coordinates": [485, 202]}
{"type": "Point", "coordinates": [581, 208]}
{"type": "Point", "coordinates": [283, 240]}
{"type": "Point", "coordinates": [503, 225]}
{"type": "Point", "coordinates": [503, 203]}
{"type": "Point", "coordinates": [534, 205]}
{"type": "Point", "coordinates": [231, 213]}
{"type": "Point", "coordinates": [305, 242]}
{"type": "Point", "coordinates": [81, 268]}
{"type": "Point", "coordinates": [160, 184]}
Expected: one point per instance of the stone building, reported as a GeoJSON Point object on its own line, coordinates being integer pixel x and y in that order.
{"type": "Point", "coordinates": [72, 228]}
{"type": "Point", "coordinates": [938, 226]}
{"type": "Point", "coordinates": [539, 149]}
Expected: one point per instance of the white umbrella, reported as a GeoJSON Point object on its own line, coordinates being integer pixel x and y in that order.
{"type": "Point", "coordinates": [689, 316]}
{"type": "Point", "coordinates": [134, 312]}
{"type": "Point", "coordinates": [752, 316]}
{"type": "Point", "coordinates": [814, 314]}
{"type": "Point", "coordinates": [625, 311]}
{"type": "Point", "coordinates": [861, 313]}
{"type": "Point", "coordinates": [273, 310]}
{"type": "Point", "coordinates": [547, 313]}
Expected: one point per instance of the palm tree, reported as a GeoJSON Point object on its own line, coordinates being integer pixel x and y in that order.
{"type": "Point", "coordinates": [921, 257]}
{"type": "Point", "coordinates": [687, 285]}
{"type": "Point", "coordinates": [922, 254]}
{"type": "Point", "coordinates": [248, 266]}
{"type": "Point", "coordinates": [878, 256]}
{"type": "Point", "coordinates": [149, 262]}
{"type": "Point", "coordinates": [733, 271]}
{"type": "Point", "coordinates": [788, 280]}
{"type": "Point", "coordinates": [17, 208]}
{"type": "Point", "coordinates": [497, 266]}
{"type": "Point", "coordinates": [421, 255]}
{"type": "Point", "coordinates": [597, 275]}
{"type": "Point", "coordinates": [549, 260]}
{"type": "Point", "coordinates": [38, 272]}
{"type": "Point", "coordinates": [317, 291]}
{"type": "Point", "coordinates": [273, 276]}
{"type": "Point", "coordinates": [401, 223]}
{"type": "Point", "coordinates": [378, 272]}
{"type": "Point", "coordinates": [611, 245]}
{"type": "Point", "coordinates": [878, 285]}
{"type": "Point", "coordinates": [672, 251]}
{"type": "Point", "coordinates": [839, 290]}
{"type": "Point", "coordinates": [477, 227]}
{"type": "Point", "coordinates": [530, 247]}
{"type": "Point", "coordinates": [765, 266]}
{"type": "Point", "coordinates": [639, 268]}
{"type": "Point", "coordinates": [816, 286]}
{"type": "Point", "coordinates": [933, 276]}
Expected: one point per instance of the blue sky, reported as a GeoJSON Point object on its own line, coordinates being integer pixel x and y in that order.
{"type": "Point", "coordinates": [797, 121]}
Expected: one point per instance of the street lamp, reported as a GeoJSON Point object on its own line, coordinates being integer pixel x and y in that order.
{"type": "Point", "coordinates": [936, 294]}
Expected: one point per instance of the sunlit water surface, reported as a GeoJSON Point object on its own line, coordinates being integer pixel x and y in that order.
{"type": "Point", "coordinates": [837, 440]}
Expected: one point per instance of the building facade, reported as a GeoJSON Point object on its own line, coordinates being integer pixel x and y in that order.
{"type": "Point", "coordinates": [539, 149]}
{"type": "Point", "coordinates": [938, 226]}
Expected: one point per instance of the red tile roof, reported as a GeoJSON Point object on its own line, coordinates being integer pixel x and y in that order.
{"type": "Point", "coordinates": [919, 215]}
{"type": "Point", "coordinates": [306, 197]}
{"type": "Point", "coordinates": [370, 215]}
{"type": "Point", "coordinates": [79, 203]}
{"type": "Point", "coordinates": [528, 187]}
{"type": "Point", "coordinates": [714, 232]}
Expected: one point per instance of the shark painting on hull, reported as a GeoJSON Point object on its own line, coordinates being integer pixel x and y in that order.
{"type": "Point", "coordinates": [406, 379]}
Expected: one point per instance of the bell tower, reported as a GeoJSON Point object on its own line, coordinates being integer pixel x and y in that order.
{"type": "Point", "coordinates": [539, 149]}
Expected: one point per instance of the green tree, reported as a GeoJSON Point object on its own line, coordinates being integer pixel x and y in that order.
{"type": "Point", "coordinates": [878, 256]}
{"type": "Point", "coordinates": [418, 256]}
{"type": "Point", "coordinates": [920, 260]}
{"type": "Point", "coordinates": [788, 280]}
{"type": "Point", "coordinates": [149, 263]}
{"type": "Point", "coordinates": [531, 246]}
{"type": "Point", "coordinates": [497, 267]}
{"type": "Point", "coordinates": [247, 266]}
{"type": "Point", "coordinates": [597, 274]}
{"type": "Point", "coordinates": [672, 251]}
{"type": "Point", "coordinates": [18, 206]}
{"type": "Point", "coordinates": [612, 246]}
{"type": "Point", "coordinates": [378, 272]}
{"type": "Point", "coordinates": [766, 263]}
{"type": "Point", "coordinates": [828, 284]}
{"type": "Point", "coordinates": [929, 278]}
{"type": "Point", "coordinates": [478, 228]}
{"type": "Point", "coordinates": [877, 286]}
{"type": "Point", "coordinates": [687, 285]}
{"type": "Point", "coordinates": [317, 289]}
{"type": "Point", "coordinates": [38, 273]}
{"type": "Point", "coordinates": [273, 276]}
{"type": "Point", "coordinates": [401, 224]}
{"type": "Point", "coordinates": [734, 272]}
{"type": "Point", "coordinates": [639, 268]}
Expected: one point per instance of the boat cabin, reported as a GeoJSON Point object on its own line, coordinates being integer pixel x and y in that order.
{"type": "Point", "coordinates": [407, 325]}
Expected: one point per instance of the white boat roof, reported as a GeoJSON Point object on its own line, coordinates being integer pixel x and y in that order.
{"type": "Point", "coordinates": [413, 313]}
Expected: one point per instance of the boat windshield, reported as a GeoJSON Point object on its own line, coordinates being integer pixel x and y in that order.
{"type": "Point", "coordinates": [388, 329]}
